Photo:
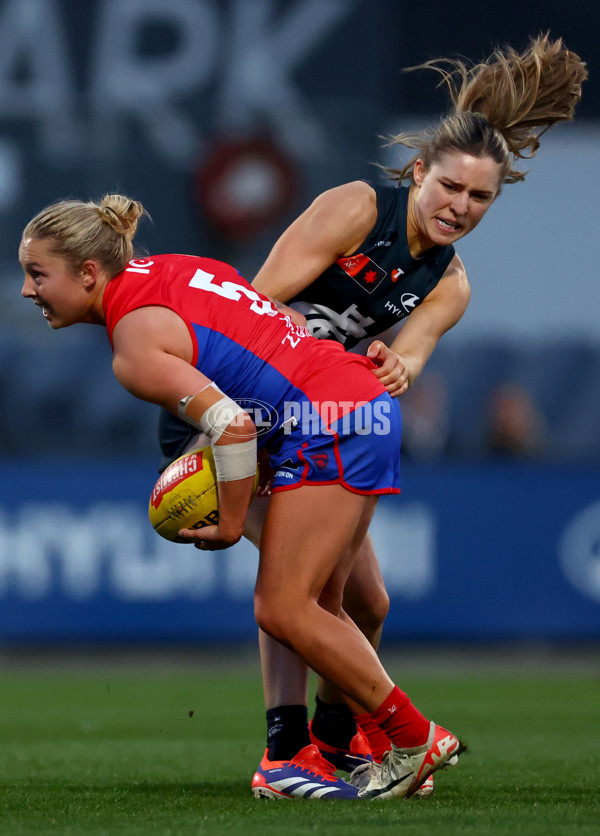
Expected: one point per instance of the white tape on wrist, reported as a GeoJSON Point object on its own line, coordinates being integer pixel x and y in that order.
{"type": "Point", "coordinates": [235, 461]}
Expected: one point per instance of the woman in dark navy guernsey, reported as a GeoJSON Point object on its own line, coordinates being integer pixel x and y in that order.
{"type": "Point", "coordinates": [365, 256]}
{"type": "Point", "coordinates": [191, 335]}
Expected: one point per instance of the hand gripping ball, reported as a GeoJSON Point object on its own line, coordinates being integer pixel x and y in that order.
{"type": "Point", "coordinates": [185, 495]}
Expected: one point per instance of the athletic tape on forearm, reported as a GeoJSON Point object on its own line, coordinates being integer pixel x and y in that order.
{"type": "Point", "coordinates": [235, 461]}
{"type": "Point", "coordinates": [215, 420]}
{"type": "Point", "coordinates": [232, 461]}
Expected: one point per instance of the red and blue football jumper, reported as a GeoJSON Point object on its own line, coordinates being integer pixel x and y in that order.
{"type": "Point", "coordinates": [330, 420]}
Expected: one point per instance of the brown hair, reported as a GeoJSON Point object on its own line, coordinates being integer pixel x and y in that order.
{"type": "Point", "coordinates": [81, 230]}
{"type": "Point", "coordinates": [501, 106]}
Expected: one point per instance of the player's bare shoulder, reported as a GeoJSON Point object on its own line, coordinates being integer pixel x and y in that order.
{"type": "Point", "coordinates": [450, 297]}
{"type": "Point", "coordinates": [346, 214]}
{"type": "Point", "coordinates": [455, 281]}
{"type": "Point", "coordinates": [357, 200]}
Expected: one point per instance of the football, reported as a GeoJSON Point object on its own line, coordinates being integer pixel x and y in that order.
{"type": "Point", "coordinates": [185, 495]}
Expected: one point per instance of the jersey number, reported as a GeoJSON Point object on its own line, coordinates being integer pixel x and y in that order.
{"type": "Point", "coordinates": [229, 290]}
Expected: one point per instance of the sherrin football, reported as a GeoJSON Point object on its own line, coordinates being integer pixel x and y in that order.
{"type": "Point", "coordinates": [185, 495]}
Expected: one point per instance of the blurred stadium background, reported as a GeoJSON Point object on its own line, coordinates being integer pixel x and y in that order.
{"type": "Point", "coordinates": [225, 118]}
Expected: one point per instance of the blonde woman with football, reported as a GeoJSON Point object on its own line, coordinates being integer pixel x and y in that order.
{"type": "Point", "coordinates": [366, 256]}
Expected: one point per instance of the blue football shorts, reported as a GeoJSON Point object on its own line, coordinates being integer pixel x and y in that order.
{"type": "Point", "coordinates": [360, 451]}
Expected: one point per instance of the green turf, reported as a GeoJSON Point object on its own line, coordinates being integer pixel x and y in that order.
{"type": "Point", "coordinates": [111, 751]}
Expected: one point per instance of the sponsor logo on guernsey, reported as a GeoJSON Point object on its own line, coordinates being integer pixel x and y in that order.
{"type": "Point", "coordinates": [325, 323]}
{"type": "Point", "coordinates": [408, 302]}
{"type": "Point", "coordinates": [396, 273]}
{"type": "Point", "coordinates": [363, 270]}
{"type": "Point", "coordinates": [139, 265]}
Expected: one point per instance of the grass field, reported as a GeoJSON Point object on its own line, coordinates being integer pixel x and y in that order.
{"type": "Point", "coordinates": [142, 750]}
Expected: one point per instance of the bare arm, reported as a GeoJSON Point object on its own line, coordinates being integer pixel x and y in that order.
{"type": "Point", "coordinates": [334, 225]}
{"type": "Point", "coordinates": [152, 360]}
{"type": "Point", "coordinates": [401, 363]}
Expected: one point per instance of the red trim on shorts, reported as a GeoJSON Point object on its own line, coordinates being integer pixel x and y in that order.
{"type": "Point", "coordinates": [306, 484]}
{"type": "Point", "coordinates": [341, 481]}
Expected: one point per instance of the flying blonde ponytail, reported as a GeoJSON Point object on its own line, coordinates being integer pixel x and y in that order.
{"type": "Point", "coordinates": [500, 107]}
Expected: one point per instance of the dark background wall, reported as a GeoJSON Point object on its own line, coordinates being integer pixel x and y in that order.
{"type": "Point", "coordinates": [225, 118]}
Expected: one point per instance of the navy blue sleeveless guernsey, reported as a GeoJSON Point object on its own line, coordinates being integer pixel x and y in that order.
{"type": "Point", "coordinates": [359, 296]}
{"type": "Point", "coordinates": [366, 293]}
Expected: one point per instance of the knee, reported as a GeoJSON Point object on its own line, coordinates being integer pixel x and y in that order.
{"type": "Point", "coordinates": [275, 618]}
{"type": "Point", "coordinates": [369, 609]}
{"type": "Point", "coordinates": [332, 601]}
